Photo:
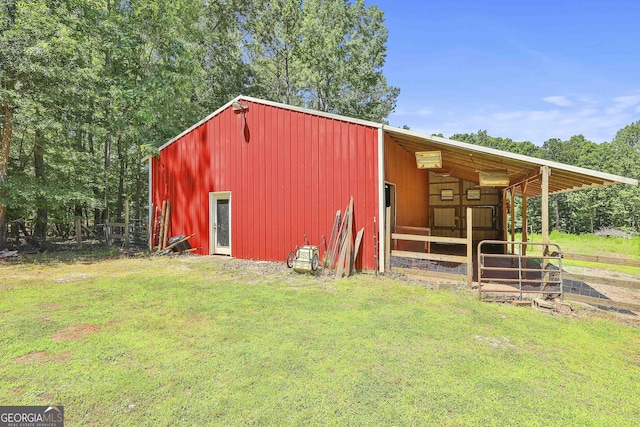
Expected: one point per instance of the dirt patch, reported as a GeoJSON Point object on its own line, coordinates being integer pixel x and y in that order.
{"type": "Point", "coordinates": [71, 278]}
{"type": "Point", "coordinates": [43, 357]}
{"type": "Point", "coordinates": [49, 306]}
{"type": "Point", "coordinates": [47, 397]}
{"type": "Point", "coordinates": [75, 332]}
{"type": "Point", "coordinates": [495, 342]}
{"type": "Point", "coordinates": [31, 357]}
{"type": "Point", "coordinates": [582, 310]}
{"type": "Point", "coordinates": [261, 267]}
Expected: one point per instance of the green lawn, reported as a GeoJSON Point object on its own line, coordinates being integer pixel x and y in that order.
{"type": "Point", "coordinates": [198, 341]}
{"type": "Point", "coordinates": [589, 244]}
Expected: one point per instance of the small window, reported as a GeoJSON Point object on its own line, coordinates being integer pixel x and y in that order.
{"type": "Point", "coordinates": [473, 194]}
{"type": "Point", "coordinates": [446, 194]}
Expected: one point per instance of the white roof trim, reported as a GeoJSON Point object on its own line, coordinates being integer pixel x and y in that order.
{"type": "Point", "coordinates": [492, 151]}
{"type": "Point", "coordinates": [310, 111]}
{"type": "Point", "coordinates": [465, 145]}
{"type": "Point", "coordinates": [277, 105]}
{"type": "Point", "coordinates": [209, 117]}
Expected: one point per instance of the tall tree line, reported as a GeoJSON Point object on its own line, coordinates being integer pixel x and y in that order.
{"type": "Point", "coordinates": [88, 88]}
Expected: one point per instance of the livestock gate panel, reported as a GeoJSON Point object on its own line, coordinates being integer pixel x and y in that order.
{"type": "Point", "coordinates": [288, 173]}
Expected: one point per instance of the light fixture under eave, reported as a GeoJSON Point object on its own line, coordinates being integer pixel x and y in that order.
{"type": "Point", "coordinates": [429, 159]}
{"type": "Point", "coordinates": [238, 107]}
{"type": "Point", "coordinates": [493, 178]}
{"type": "Point", "coordinates": [442, 172]}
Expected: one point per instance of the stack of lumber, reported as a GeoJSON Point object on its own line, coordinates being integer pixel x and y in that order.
{"type": "Point", "coordinates": [160, 227]}
{"type": "Point", "coordinates": [159, 234]}
{"type": "Point", "coordinates": [178, 245]}
{"type": "Point", "coordinates": [342, 251]}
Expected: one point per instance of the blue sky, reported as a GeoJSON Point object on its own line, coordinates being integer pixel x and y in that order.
{"type": "Point", "coordinates": [525, 70]}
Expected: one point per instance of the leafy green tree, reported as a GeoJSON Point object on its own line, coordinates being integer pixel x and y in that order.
{"type": "Point", "coordinates": [343, 50]}
{"type": "Point", "coordinates": [273, 48]}
{"type": "Point", "coordinates": [219, 48]}
{"type": "Point", "coordinates": [322, 54]}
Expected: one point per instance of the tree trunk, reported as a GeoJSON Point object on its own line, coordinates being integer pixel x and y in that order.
{"type": "Point", "coordinates": [121, 162]}
{"type": "Point", "coordinates": [138, 189]}
{"type": "Point", "coordinates": [40, 226]}
{"type": "Point", "coordinates": [557, 209]}
{"type": "Point", "coordinates": [107, 163]}
{"type": "Point", "coordinates": [5, 144]}
{"type": "Point", "coordinates": [107, 141]}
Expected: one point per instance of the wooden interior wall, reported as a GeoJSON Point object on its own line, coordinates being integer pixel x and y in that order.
{"type": "Point", "coordinates": [447, 217]}
{"type": "Point", "coordinates": [412, 185]}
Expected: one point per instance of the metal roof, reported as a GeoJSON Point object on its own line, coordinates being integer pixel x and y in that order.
{"type": "Point", "coordinates": [463, 160]}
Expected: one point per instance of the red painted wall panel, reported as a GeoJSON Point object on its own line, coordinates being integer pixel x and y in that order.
{"type": "Point", "coordinates": [288, 173]}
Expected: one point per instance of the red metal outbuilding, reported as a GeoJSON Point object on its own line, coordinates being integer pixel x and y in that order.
{"type": "Point", "coordinates": [255, 176]}
{"type": "Point", "coordinates": [278, 171]}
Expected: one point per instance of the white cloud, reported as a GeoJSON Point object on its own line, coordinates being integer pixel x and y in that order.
{"type": "Point", "coordinates": [423, 112]}
{"type": "Point", "coordinates": [560, 101]}
{"type": "Point", "coordinates": [622, 103]}
{"type": "Point", "coordinates": [420, 112]}
{"type": "Point", "coordinates": [597, 119]}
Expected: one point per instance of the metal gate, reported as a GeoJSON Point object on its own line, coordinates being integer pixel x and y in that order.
{"type": "Point", "coordinates": [538, 272]}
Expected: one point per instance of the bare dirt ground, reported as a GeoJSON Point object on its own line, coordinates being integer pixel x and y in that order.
{"type": "Point", "coordinates": [74, 332]}
{"type": "Point", "coordinates": [599, 281]}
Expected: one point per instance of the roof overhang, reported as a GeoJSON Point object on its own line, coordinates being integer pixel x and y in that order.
{"type": "Point", "coordinates": [465, 161]}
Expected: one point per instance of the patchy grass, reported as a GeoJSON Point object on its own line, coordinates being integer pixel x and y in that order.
{"type": "Point", "coordinates": [200, 341]}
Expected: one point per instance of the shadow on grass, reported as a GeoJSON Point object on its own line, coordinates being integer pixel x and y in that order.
{"type": "Point", "coordinates": [90, 252]}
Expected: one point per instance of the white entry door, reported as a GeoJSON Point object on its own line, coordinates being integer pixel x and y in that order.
{"type": "Point", "coordinates": [220, 223]}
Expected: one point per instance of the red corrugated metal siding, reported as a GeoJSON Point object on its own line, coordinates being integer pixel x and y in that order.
{"type": "Point", "coordinates": [288, 173]}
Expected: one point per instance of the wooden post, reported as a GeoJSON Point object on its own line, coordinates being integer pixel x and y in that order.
{"type": "Point", "coordinates": [545, 171]}
{"type": "Point", "coordinates": [504, 218]}
{"type": "Point", "coordinates": [460, 203]}
{"type": "Point", "coordinates": [470, 247]}
{"type": "Point", "coordinates": [163, 212]}
{"type": "Point", "coordinates": [78, 227]}
{"type": "Point", "coordinates": [152, 221]}
{"type": "Point", "coordinates": [167, 219]}
{"type": "Point", "coordinates": [126, 224]}
{"type": "Point", "coordinates": [524, 216]}
{"type": "Point", "coordinates": [107, 234]}
{"type": "Point", "coordinates": [513, 219]}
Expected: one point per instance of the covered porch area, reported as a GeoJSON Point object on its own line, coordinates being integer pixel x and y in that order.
{"type": "Point", "coordinates": [438, 210]}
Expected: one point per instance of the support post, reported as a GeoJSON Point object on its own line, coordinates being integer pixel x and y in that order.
{"type": "Point", "coordinates": [470, 247]}
{"type": "Point", "coordinates": [504, 218]}
{"type": "Point", "coordinates": [513, 219]}
{"type": "Point", "coordinates": [545, 171]}
{"type": "Point", "coordinates": [151, 227]}
{"type": "Point", "coordinates": [524, 216]}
